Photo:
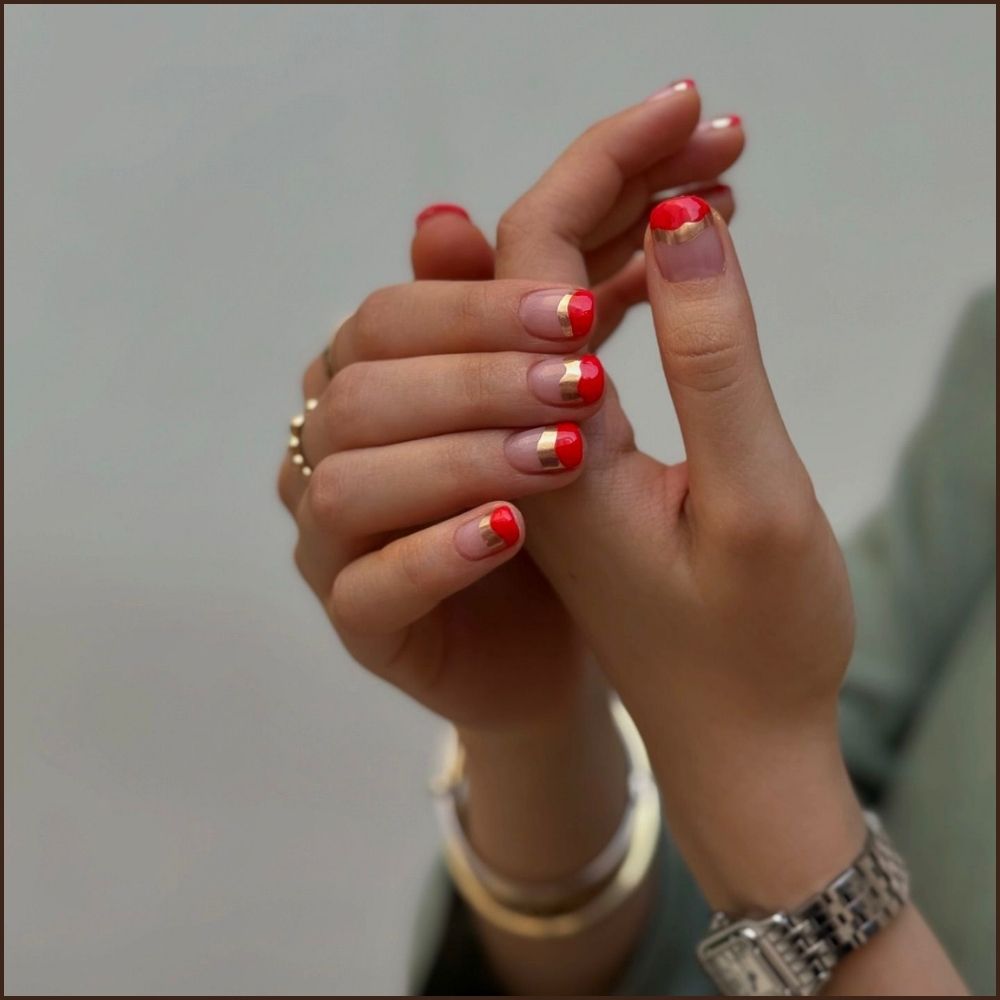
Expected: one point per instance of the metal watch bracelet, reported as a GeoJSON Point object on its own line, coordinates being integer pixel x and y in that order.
{"type": "Point", "coordinates": [794, 953]}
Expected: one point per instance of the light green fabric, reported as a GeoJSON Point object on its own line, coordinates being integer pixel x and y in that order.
{"type": "Point", "coordinates": [918, 704]}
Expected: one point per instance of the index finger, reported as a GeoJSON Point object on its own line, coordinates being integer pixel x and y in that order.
{"type": "Point", "coordinates": [541, 235]}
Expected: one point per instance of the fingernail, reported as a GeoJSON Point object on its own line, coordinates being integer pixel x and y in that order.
{"type": "Point", "coordinates": [725, 121]}
{"type": "Point", "coordinates": [672, 88]}
{"type": "Point", "coordinates": [489, 534]}
{"type": "Point", "coordinates": [546, 449]}
{"type": "Point", "coordinates": [558, 314]}
{"type": "Point", "coordinates": [686, 241]}
{"type": "Point", "coordinates": [444, 208]}
{"type": "Point", "coordinates": [567, 380]}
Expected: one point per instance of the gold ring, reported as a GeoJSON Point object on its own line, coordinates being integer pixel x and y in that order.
{"type": "Point", "coordinates": [295, 441]}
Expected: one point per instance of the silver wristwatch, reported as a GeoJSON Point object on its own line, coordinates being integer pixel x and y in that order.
{"type": "Point", "coordinates": [793, 954]}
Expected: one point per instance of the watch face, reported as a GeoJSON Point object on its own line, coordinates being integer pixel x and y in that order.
{"type": "Point", "coordinates": [739, 966]}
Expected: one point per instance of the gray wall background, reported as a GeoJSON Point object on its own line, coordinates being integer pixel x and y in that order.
{"type": "Point", "coordinates": [203, 793]}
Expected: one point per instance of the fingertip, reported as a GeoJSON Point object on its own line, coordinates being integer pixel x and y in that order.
{"type": "Point", "coordinates": [438, 209]}
{"type": "Point", "coordinates": [448, 246]}
{"type": "Point", "coordinates": [491, 531]}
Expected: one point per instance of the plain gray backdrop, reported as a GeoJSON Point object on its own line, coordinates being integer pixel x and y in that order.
{"type": "Point", "coordinates": [204, 795]}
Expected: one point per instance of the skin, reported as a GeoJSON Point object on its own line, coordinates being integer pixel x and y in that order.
{"type": "Point", "coordinates": [711, 594]}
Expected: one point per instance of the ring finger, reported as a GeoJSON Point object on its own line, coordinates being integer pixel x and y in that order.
{"type": "Point", "coordinates": [367, 491]}
{"type": "Point", "coordinates": [382, 402]}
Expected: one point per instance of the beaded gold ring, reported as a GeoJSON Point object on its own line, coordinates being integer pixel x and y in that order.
{"type": "Point", "coordinates": [295, 441]}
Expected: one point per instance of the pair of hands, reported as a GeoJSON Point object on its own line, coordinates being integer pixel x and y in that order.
{"type": "Point", "coordinates": [712, 593]}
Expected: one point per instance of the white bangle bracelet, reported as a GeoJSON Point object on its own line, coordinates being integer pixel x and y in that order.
{"type": "Point", "coordinates": [564, 906]}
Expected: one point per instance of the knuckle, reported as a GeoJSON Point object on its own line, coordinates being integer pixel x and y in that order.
{"type": "Point", "coordinates": [288, 486]}
{"type": "Point", "coordinates": [350, 609]}
{"type": "Point", "coordinates": [327, 487]}
{"type": "Point", "coordinates": [370, 320]}
{"type": "Point", "coordinates": [344, 400]}
{"type": "Point", "coordinates": [477, 380]}
{"type": "Point", "coordinates": [472, 305]}
{"type": "Point", "coordinates": [781, 527]}
{"type": "Point", "coordinates": [513, 224]}
{"type": "Point", "coordinates": [306, 566]}
{"type": "Point", "coordinates": [412, 566]}
{"type": "Point", "coordinates": [456, 464]}
{"type": "Point", "coordinates": [706, 356]}
{"type": "Point", "coordinates": [343, 607]}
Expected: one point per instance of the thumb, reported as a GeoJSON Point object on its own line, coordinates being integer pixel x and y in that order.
{"type": "Point", "coordinates": [736, 443]}
{"type": "Point", "coordinates": [447, 246]}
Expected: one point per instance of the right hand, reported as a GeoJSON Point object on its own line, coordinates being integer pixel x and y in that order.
{"type": "Point", "coordinates": [404, 435]}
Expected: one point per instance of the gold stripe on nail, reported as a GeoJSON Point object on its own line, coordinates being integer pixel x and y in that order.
{"type": "Point", "coordinates": [546, 449]}
{"type": "Point", "coordinates": [684, 234]}
{"type": "Point", "coordinates": [490, 538]}
{"type": "Point", "coordinates": [562, 311]}
{"type": "Point", "coordinates": [569, 384]}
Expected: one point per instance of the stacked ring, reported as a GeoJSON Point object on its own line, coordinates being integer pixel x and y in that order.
{"type": "Point", "coordinates": [295, 441]}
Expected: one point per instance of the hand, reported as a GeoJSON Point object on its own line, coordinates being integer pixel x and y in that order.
{"type": "Point", "coordinates": [713, 592]}
{"type": "Point", "coordinates": [435, 407]}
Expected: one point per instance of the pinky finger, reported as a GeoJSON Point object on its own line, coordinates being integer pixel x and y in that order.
{"type": "Point", "coordinates": [389, 589]}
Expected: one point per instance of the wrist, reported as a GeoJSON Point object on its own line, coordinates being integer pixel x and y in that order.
{"type": "Point", "coordinates": [544, 800]}
{"type": "Point", "coordinates": [764, 819]}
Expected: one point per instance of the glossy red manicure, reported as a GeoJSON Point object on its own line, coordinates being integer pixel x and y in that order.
{"type": "Point", "coordinates": [580, 312]}
{"type": "Point", "coordinates": [483, 536]}
{"type": "Point", "coordinates": [562, 381]}
{"type": "Point", "coordinates": [686, 242]}
{"type": "Point", "coordinates": [503, 524]}
{"type": "Point", "coordinates": [443, 208]}
{"type": "Point", "coordinates": [569, 445]}
{"type": "Point", "coordinates": [557, 313]}
{"type": "Point", "coordinates": [546, 449]}
{"type": "Point", "coordinates": [673, 213]}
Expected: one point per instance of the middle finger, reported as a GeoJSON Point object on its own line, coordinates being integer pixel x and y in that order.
{"type": "Point", "coordinates": [380, 402]}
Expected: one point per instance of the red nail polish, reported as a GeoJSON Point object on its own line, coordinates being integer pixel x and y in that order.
{"type": "Point", "coordinates": [504, 524]}
{"type": "Point", "coordinates": [444, 208]}
{"type": "Point", "coordinates": [488, 534]}
{"type": "Point", "coordinates": [580, 312]}
{"type": "Point", "coordinates": [724, 121]}
{"type": "Point", "coordinates": [590, 384]}
{"type": "Point", "coordinates": [676, 212]}
{"type": "Point", "coordinates": [686, 242]}
{"type": "Point", "coordinates": [568, 445]}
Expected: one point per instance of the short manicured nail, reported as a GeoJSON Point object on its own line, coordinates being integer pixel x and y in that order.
{"type": "Point", "coordinates": [723, 121]}
{"type": "Point", "coordinates": [546, 449]}
{"type": "Point", "coordinates": [444, 208]}
{"type": "Point", "coordinates": [558, 313]}
{"type": "Point", "coordinates": [672, 88]}
{"type": "Point", "coordinates": [562, 381]}
{"type": "Point", "coordinates": [686, 240]}
{"type": "Point", "coordinates": [489, 534]}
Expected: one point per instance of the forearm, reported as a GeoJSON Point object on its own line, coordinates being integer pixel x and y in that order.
{"type": "Point", "coordinates": [542, 804]}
